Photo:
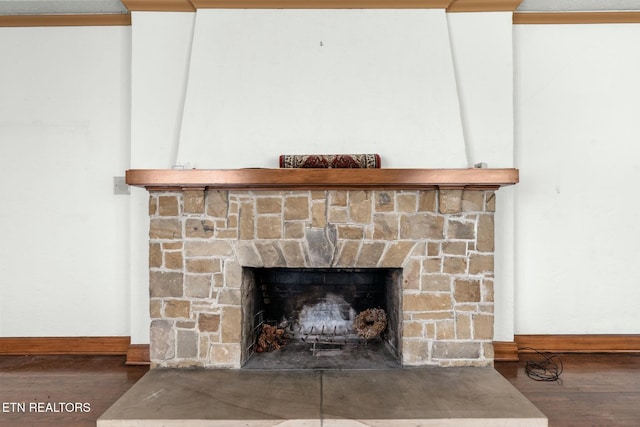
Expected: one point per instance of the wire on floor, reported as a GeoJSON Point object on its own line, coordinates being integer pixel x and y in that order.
{"type": "Point", "coordinates": [548, 368]}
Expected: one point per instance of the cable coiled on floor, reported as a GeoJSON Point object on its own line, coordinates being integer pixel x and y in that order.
{"type": "Point", "coordinates": [548, 368]}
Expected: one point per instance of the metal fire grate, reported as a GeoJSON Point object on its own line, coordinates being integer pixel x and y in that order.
{"type": "Point", "coordinates": [322, 340]}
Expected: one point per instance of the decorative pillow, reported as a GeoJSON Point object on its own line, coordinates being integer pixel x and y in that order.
{"type": "Point", "coordinates": [359, 161]}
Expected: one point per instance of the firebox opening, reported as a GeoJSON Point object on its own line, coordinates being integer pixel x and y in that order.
{"type": "Point", "coordinates": [321, 318]}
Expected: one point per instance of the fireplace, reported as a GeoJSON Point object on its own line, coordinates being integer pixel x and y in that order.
{"type": "Point", "coordinates": [219, 238]}
{"type": "Point", "coordinates": [324, 318]}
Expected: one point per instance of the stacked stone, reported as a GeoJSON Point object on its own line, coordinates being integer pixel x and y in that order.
{"type": "Point", "coordinates": [449, 320]}
{"type": "Point", "coordinates": [194, 283]}
{"type": "Point", "coordinates": [442, 239]}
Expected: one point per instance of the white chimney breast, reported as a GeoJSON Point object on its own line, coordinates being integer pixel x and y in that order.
{"type": "Point", "coordinates": [266, 82]}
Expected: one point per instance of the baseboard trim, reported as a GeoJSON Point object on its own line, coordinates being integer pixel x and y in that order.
{"type": "Point", "coordinates": [138, 354]}
{"type": "Point", "coordinates": [578, 343]}
{"type": "Point", "coordinates": [65, 345]}
{"type": "Point", "coordinates": [509, 351]}
{"type": "Point", "coordinates": [505, 351]}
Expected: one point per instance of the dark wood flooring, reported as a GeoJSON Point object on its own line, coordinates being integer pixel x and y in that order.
{"type": "Point", "coordinates": [96, 380]}
{"type": "Point", "coordinates": [594, 389]}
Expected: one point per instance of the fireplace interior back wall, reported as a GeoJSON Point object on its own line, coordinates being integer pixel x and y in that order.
{"type": "Point", "coordinates": [315, 309]}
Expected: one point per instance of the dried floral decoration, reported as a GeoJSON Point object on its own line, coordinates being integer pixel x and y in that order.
{"type": "Point", "coordinates": [271, 338]}
{"type": "Point", "coordinates": [370, 323]}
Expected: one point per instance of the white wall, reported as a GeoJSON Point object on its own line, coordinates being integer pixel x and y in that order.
{"type": "Point", "coordinates": [270, 82]}
{"type": "Point", "coordinates": [577, 147]}
{"type": "Point", "coordinates": [64, 135]}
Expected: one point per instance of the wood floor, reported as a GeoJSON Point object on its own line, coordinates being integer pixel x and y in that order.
{"type": "Point", "coordinates": [594, 389]}
{"type": "Point", "coordinates": [96, 380]}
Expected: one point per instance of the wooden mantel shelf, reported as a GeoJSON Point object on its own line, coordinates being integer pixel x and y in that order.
{"type": "Point", "coordinates": [273, 179]}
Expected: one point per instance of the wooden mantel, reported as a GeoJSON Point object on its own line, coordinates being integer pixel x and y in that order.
{"type": "Point", "coordinates": [270, 179]}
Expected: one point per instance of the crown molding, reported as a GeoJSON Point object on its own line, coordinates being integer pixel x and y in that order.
{"type": "Point", "coordinates": [159, 5]}
{"type": "Point", "coordinates": [321, 4]}
{"type": "Point", "coordinates": [449, 5]}
{"type": "Point", "coordinates": [90, 20]}
{"type": "Point", "coordinates": [483, 5]}
{"type": "Point", "coordinates": [576, 17]}
{"type": "Point", "coordinates": [454, 6]}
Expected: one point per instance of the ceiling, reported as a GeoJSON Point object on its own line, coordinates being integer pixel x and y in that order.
{"type": "Point", "coordinates": [41, 7]}
{"type": "Point", "coordinates": [577, 5]}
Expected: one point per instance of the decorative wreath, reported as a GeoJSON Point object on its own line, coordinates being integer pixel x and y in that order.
{"type": "Point", "coordinates": [370, 323]}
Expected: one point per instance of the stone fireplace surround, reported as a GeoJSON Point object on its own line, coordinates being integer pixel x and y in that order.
{"type": "Point", "coordinates": [435, 225]}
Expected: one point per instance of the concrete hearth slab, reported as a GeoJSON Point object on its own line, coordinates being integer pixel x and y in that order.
{"type": "Point", "coordinates": [396, 397]}
{"type": "Point", "coordinates": [425, 396]}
